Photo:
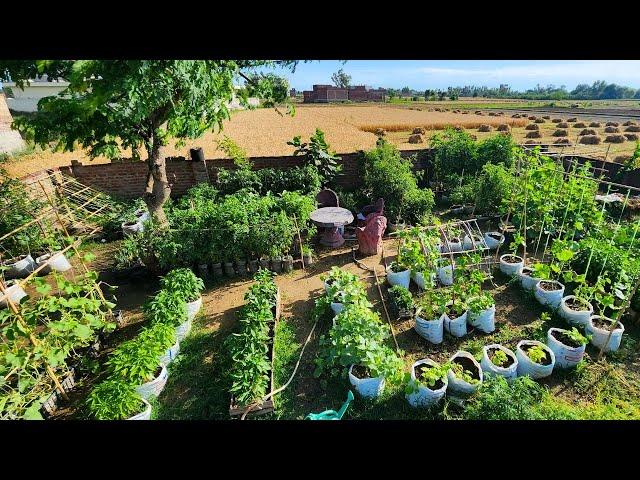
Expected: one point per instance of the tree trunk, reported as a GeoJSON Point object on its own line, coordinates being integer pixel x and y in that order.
{"type": "Point", "coordinates": [157, 191]}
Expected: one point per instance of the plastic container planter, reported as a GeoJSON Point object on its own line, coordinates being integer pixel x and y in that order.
{"type": "Point", "coordinates": [459, 387]}
{"type": "Point", "coordinates": [526, 280]}
{"type": "Point", "coordinates": [264, 262]}
{"type": "Point", "coordinates": [473, 242]}
{"type": "Point", "coordinates": [418, 279]}
{"type": "Point", "coordinates": [193, 308]}
{"type": "Point", "coordinates": [142, 214]}
{"type": "Point", "coordinates": [510, 371]}
{"type": "Point", "coordinates": [445, 272]}
{"type": "Point", "coordinates": [402, 278]}
{"type": "Point", "coordinates": [367, 387]}
{"type": "Point", "coordinates": [456, 326]}
{"type": "Point", "coordinates": [526, 366]}
{"type": "Point", "coordinates": [229, 271]}
{"type": "Point", "coordinates": [12, 291]}
{"type": "Point", "coordinates": [154, 387]}
{"type": "Point", "coordinates": [145, 414]}
{"type": "Point", "coordinates": [453, 245]}
{"type": "Point", "coordinates": [485, 320]}
{"type": "Point", "coordinates": [217, 270]}
{"type": "Point", "coordinates": [337, 307]}
{"type": "Point", "coordinates": [549, 292]}
{"type": "Point", "coordinates": [425, 396]}
{"type": "Point", "coordinates": [493, 239]}
{"type": "Point", "coordinates": [511, 264]}
{"type": "Point", "coordinates": [431, 330]}
{"type": "Point", "coordinates": [241, 265]}
{"type": "Point", "coordinates": [568, 306]}
{"type": "Point", "coordinates": [307, 258]}
{"type": "Point", "coordinates": [56, 261]}
{"type": "Point", "coordinates": [253, 265]}
{"type": "Point", "coordinates": [132, 228]}
{"type": "Point", "coordinates": [567, 355]}
{"type": "Point", "coordinates": [183, 330]}
{"type": "Point", "coordinates": [203, 270]}
{"type": "Point", "coordinates": [287, 263]}
{"type": "Point", "coordinates": [599, 333]}
{"type": "Point", "coordinates": [171, 354]}
{"type": "Point", "coordinates": [19, 267]}
{"type": "Point", "coordinates": [276, 264]}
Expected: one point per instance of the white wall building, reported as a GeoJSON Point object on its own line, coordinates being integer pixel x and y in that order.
{"type": "Point", "coordinates": [27, 100]}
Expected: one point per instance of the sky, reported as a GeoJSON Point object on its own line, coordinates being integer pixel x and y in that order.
{"type": "Point", "coordinates": [438, 74]}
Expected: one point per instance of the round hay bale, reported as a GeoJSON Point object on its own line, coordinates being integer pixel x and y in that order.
{"type": "Point", "coordinates": [556, 120]}
{"type": "Point", "coordinates": [612, 124]}
{"type": "Point", "coordinates": [484, 128]}
{"type": "Point", "coordinates": [595, 124]}
{"type": "Point", "coordinates": [579, 125]}
{"type": "Point", "coordinates": [417, 138]}
{"type": "Point", "coordinates": [611, 130]}
{"type": "Point", "coordinates": [615, 139]}
{"type": "Point", "coordinates": [532, 117]}
{"type": "Point", "coordinates": [588, 131]}
{"type": "Point", "coordinates": [546, 117]}
{"type": "Point", "coordinates": [420, 130]}
{"type": "Point", "coordinates": [474, 137]}
{"type": "Point", "coordinates": [531, 142]}
{"type": "Point", "coordinates": [532, 126]}
{"type": "Point", "coordinates": [465, 112]}
{"type": "Point", "coordinates": [503, 127]}
{"type": "Point", "coordinates": [492, 114]}
{"type": "Point", "coordinates": [632, 128]}
{"type": "Point", "coordinates": [539, 120]}
{"type": "Point", "coordinates": [381, 132]}
{"type": "Point", "coordinates": [628, 122]}
{"type": "Point", "coordinates": [534, 134]}
{"type": "Point", "coordinates": [621, 159]}
{"type": "Point", "coordinates": [572, 119]}
{"type": "Point", "coordinates": [562, 125]}
{"type": "Point", "coordinates": [560, 133]}
{"type": "Point", "coordinates": [515, 115]}
{"type": "Point", "coordinates": [632, 137]}
{"type": "Point", "coordinates": [590, 140]}
{"type": "Point", "coordinates": [562, 141]}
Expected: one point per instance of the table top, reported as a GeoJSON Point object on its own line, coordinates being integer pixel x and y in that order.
{"type": "Point", "coordinates": [331, 217]}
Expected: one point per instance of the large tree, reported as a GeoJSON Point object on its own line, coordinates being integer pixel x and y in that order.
{"type": "Point", "coordinates": [341, 79]}
{"type": "Point", "coordinates": [112, 105]}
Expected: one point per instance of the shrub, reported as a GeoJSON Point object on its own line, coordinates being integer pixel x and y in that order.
{"type": "Point", "coordinates": [166, 307]}
{"type": "Point", "coordinates": [183, 283]}
{"type": "Point", "coordinates": [317, 153]}
{"type": "Point", "coordinates": [454, 151]}
{"type": "Point", "coordinates": [465, 193]}
{"type": "Point", "coordinates": [496, 399]}
{"type": "Point", "coordinates": [494, 188]}
{"type": "Point", "coordinates": [590, 140]}
{"type": "Point", "coordinates": [136, 361]}
{"type": "Point", "coordinates": [496, 149]}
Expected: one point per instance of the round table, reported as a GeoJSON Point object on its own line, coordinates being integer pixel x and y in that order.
{"type": "Point", "coordinates": [331, 218]}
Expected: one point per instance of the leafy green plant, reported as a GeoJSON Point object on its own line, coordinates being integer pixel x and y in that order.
{"type": "Point", "coordinates": [428, 376]}
{"type": "Point", "coordinates": [136, 361]}
{"type": "Point", "coordinates": [464, 375]}
{"type": "Point", "coordinates": [401, 297]}
{"type": "Point", "coordinates": [536, 353]}
{"type": "Point", "coordinates": [480, 303]}
{"type": "Point", "coordinates": [114, 399]}
{"type": "Point", "coordinates": [499, 358]}
{"type": "Point", "coordinates": [183, 283]}
{"type": "Point", "coordinates": [318, 154]}
{"type": "Point", "coordinates": [166, 307]}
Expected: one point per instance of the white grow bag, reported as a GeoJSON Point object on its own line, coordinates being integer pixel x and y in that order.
{"type": "Point", "coordinates": [456, 327]}
{"type": "Point", "coordinates": [193, 308]}
{"type": "Point", "coordinates": [145, 414]}
{"type": "Point", "coordinates": [511, 268]}
{"type": "Point", "coordinates": [459, 387]}
{"type": "Point", "coordinates": [400, 278]}
{"type": "Point", "coordinates": [566, 356]}
{"type": "Point", "coordinates": [337, 307]}
{"type": "Point", "coordinates": [549, 298]}
{"type": "Point", "coordinates": [56, 261]}
{"type": "Point", "coordinates": [599, 335]}
{"type": "Point", "coordinates": [573, 317]}
{"type": "Point", "coordinates": [485, 321]}
{"type": "Point", "coordinates": [13, 291]}
{"type": "Point", "coordinates": [367, 387]}
{"type": "Point", "coordinates": [527, 281]}
{"type": "Point", "coordinates": [430, 330]}
{"type": "Point", "coordinates": [154, 387]}
{"type": "Point", "coordinates": [19, 267]}
{"type": "Point", "coordinates": [182, 330]}
{"type": "Point", "coordinates": [526, 366]}
{"type": "Point", "coordinates": [171, 354]}
{"type": "Point", "coordinates": [445, 274]}
{"type": "Point", "coordinates": [425, 397]}
{"type": "Point", "coordinates": [473, 242]}
{"type": "Point", "coordinates": [491, 242]}
{"type": "Point", "coordinates": [487, 365]}
{"type": "Point", "coordinates": [418, 279]}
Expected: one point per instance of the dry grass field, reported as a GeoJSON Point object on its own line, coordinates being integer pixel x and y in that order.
{"type": "Point", "coordinates": [264, 132]}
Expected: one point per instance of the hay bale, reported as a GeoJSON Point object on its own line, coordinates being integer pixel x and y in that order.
{"type": "Point", "coordinates": [532, 117]}
{"type": "Point", "coordinates": [621, 159]}
{"type": "Point", "coordinates": [420, 130]}
{"type": "Point", "coordinates": [612, 124]}
{"type": "Point", "coordinates": [417, 138]}
{"type": "Point", "coordinates": [632, 137]}
{"type": "Point", "coordinates": [515, 115]}
{"type": "Point", "coordinates": [478, 112]}
{"type": "Point", "coordinates": [503, 127]}
{"type": "Point", "coordinates": [381, 132]}
{"type": "Point", "coordinates": [632, 128]}
{"type": "Point", "coordinates": [590, 140]}
{"type": "Point", "coordinates": [628, 122]}
{"type": "Point", "coordinates": [534, 134]}
{"type": "Point", "coordinates": [560, 133]}
{"type": "Point", "coordinates": [539, 120]}
{"type": "Point", "coordinates": [532, 126]}
{"type": "Point", "coordinates": [492, 114]}
{"type": "Point", "coordinates": [484, 128]}
{"type": "Point", "coordinates": [615, 139]}
{"type": "Point", "coordinates": [465, 112]}
{"type": "Point", "coordinates": [556, 120]}
{"type": "Point", "coordinates": [572, 119]}
{"type": "Point", "coordinates": [562, 141]}
{"type": "Point", "coordinates": [588, 131]}
{"type": "Point", "coordinates": [579, 125]}
{"type": "Point", "coordinates": [595, 124]}
{"type": "Point", "coordinates": [562, 125]}
{"type": "Point", "coordinates": [546, 117]}
{"type": "Point", "coordinates": [531, 142]}
{"type": "Point", "coordinates": [611, 130]}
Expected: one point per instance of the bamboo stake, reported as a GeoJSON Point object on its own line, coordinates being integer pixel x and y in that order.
{"type": "Point", "coordinates": [295, 221]}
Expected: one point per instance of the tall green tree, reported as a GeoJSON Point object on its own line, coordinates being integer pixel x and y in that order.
{"type": "Point", "coordinates": [112, 105]}
{"type": "Point", "coordinates": [341, 79]}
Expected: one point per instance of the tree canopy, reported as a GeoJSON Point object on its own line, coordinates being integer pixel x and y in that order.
{"type": "Point", "coordinates": [341, 79]}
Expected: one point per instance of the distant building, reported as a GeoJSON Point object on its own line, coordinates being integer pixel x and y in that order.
{"type": "Point", "coordinates": [293, 92]}
{"type": "Point", "coordinates": [27, 100]}
{"type": "Point", "coordinates": [330, 93]}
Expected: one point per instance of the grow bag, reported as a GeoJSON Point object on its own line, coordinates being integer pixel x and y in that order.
{"type": "Point", "coordinates": [400, 278]}
{"type": "Point", "coordinates": [276, 264]}
{"type": "Point", "coordinates": [19, 267]}
{"type": "Point", "coordinates": [418, 279]}
{"type": "Point", "coordinates": [145, 414]}
{"type": "Point", "coordinates": [511, 268]}
{"type": "Point", "coordinates": [182, 330]}
{"type": "Point", "coordinates": [367, 387]}
{"type": "Point", "coordinates": [552, 298]}
{"type": "Point", "coordinates": [487, 365]}
{"type": "Point", "coordinates": [456, 327]}
{"type": "Point", "coordinates": [491, 242]}
{"type": "Point", "coordinates": [453, 245]}
{"type": "Point", "coordinates": [425, 397]}
{"type": "Point", "coordinates": [171, 354]}
{"type": "Point", "coordinates": [132, 228]}
{"type": "Point", "coordinates": [430, 330]}
{"type": "Point", "coordinates": [599, 335]}
{"type": "Point", "coordinates": [574, 317]}
{"type": "Point", "coordinates": [473, 242]}
{"type": "Point", "coordinates": [154, 387]}
{"type": "Point", "coordinates": [13, 291]}
{"type": "Point", "coordinates": [445, 274]}
{"type": "Point", "coordinates": [193, 308]}
{"type": "Point", "coordinates": [566, 356]}
{"type": "Point", "coordinates": [459, 387]}
{"type": "Point", "coordinates": [527, 281]}
{"type": "Point", "coordinates": [526, 366]}
{"type": "Point", "coordinates": [287, 263]}
{"type": "Point", "coordinates": [54, 261]}
{"type": "Point", "coordinates": [485, 321]}
{"type": "Point", "coordinates": [337, 307]}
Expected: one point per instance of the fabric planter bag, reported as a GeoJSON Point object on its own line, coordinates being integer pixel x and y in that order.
{"type": "Point", "coordinates": [574, 317]}
{"type": "Point", "coordinates": [566, 356]}
{"type": "Point", "coordinates": [19, 267]}
{"type": "Point", "coordinates": [430, 330]}
{"type": "Point", "coordinates": [551, 298]}
{"type": "Point", "coordinates": [526, 366]}
{"type": "Point", "coordinates": [193, 308]}
{"type": "Point", "coordinates": [510, 372]}
{"type": "Point", "coordinates": [154, 387]}
{"type": "Point", "coordinates": [145, 414]}
{"type": "Point", "coordinates": [425, 397]}
{"type": "Point", "coordinates": [509, 268]}
{"type": "Point", "coordinates": [459, 387]}
{"type": "Point", "coordinates": [599, 335]}
{"type": "Point", "coordinates": [367, 387]}
{"type": "Point", "coordinates": [182, 330]}
{"type": "Point", "coordinates": [400, 278]}
{"type": "Point", "coordinates": [485, 321]}
{"type": "Point", "coordinates": [492, 242]}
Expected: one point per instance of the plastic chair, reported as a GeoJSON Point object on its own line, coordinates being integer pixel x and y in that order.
{"type": "Point", "coordinates": [327, 198]}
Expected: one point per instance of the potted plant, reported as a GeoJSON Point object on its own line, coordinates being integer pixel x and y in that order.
{"type": "Point", "coordinates": [276, 262]}
{"type": "Point", "coordinates": [510, 263]}
{"type": "Point", "coordinates": [473, 241]}
{"type": "Point", "coordinates": [453, 241]}
{"type": "Point", "coordinates": [599, 327]}
{"type": "Point", "coordinates": [493, 240]}
{"type": "Point", "coordinates": [186, 286]}
{"type": "Point", "coordinates": [166, 336]}
{"type": "Point", "coordinates": [528, 277]}
{"type": "Point", "coordinates": [499, 360]}
{"type": "Point", "coordinates": [287, 263]}
{"type": "Point", "coordinates": [444, 270]}
{"type": "Point", "coordinates": [115, 399]}
{"type": "Point", "coordinates": [549, 292]}
{"type": "Point", "coordinates": [402, 300]}
{"type": "Point", "coordinates": [568, 346]}
{"type": "Point", "coordinates": [456, 314]}
{"type": "Point", "coordinates": [346, 295]}
{"type": "Point", "coordinates": [575, 310]}
{"type": "Point", "coordinates": [18, 267]}
{"type": "Point", "coordinates": [241, 265]}
{"type": "Point", "coordinates": [307, 255]}
{"type": "Point", "coordinates": [13, 292]}
{"type": "Point", "coordinates": [428, 383]}
{"type": "Point", "coordinates": [170, 308]}
{"type": "Point", "coordinates": [132, 227]}
{"type": "Point", "coordinates": [253, 265]}
{"type": "Point", "coordinates": [465, 375]}
{"type": "Point", "coordinates": [430, 315]}
{"type": "Point", "coordinates": [398, 274]}
{"type": "Point", "coordinates": [534, 359]}
{"type": "Point", "coordinates": [264, 261]}
{"type": "Point", "coordinates": [482, 312]}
